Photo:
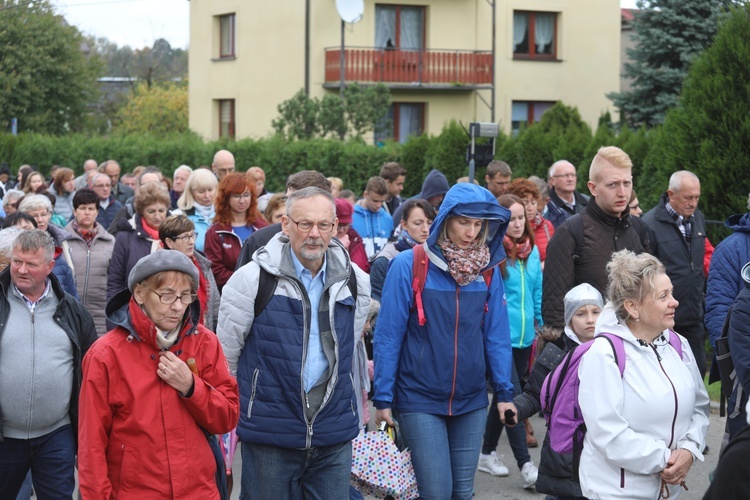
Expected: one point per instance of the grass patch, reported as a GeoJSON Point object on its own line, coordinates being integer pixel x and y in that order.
{"type": "Point", "coordinates": [714, 390]}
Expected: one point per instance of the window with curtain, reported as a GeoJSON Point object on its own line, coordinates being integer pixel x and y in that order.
{"type": "Point", "coordinates": [226, 119]}
{"type": "Point", "coordinates": [526, 113]}
{"type": "Point", "coordinates": [405, 119]}
{"type": "Point", "coordinates": [535, 35]}
{"type": "Point", "coordinates": [226, 36]}
{"type": "Point", "coordinates": [398, 26]}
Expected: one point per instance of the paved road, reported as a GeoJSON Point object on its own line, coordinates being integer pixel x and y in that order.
{"type": "Point", "coordinates": [489, 487]}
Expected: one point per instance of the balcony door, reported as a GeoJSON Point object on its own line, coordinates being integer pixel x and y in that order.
{"type": "Point", "coordinates": [399, 27]}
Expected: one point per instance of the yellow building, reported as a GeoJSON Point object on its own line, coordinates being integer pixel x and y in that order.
{"type": "Point", "coordinates": [247, 56]}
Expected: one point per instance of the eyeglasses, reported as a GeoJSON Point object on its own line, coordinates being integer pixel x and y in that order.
{"type": "Point", "coordinates": [185, 238]}
{"type": "Point", "coordinates": [306, 226]}
{"type": "Point", "coordinates": [237, 197]}
{"type": "Point", "coordinates": [170, 298]}
{"type": "Point", "coordinates": [563, 176]}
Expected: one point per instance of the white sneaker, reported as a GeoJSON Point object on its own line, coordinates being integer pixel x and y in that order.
{"type": "Point", "coordinates": [529, 473]}
{"type": "Point", "coordinates": [493, 464]}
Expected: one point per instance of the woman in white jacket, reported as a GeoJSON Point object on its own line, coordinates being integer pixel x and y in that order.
{"type": "Point", "coordinates": [646, 428]}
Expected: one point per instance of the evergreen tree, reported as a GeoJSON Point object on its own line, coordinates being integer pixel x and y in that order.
{"type": "Point", "coordinates": [669, 34]}
{"type": "Point", "coordinates": [708, 132]}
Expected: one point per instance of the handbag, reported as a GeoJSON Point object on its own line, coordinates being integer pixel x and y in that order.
{"type": "Point", "coordinates": [380, 469]}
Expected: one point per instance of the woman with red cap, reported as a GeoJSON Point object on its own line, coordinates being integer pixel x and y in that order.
{"type": "Point", "coordinates": [350, 238]}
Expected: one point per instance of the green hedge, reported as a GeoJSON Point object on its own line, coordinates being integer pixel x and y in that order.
{"type": "Point", "coordinates": [561, 134]}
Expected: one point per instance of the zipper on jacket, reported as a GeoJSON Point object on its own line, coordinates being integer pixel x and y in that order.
{"type": "Point", "coordinates": [523, 304]}
{"type": "Point", "coordinates": [622, 477]}
{"type": "Point", "coordinates": [455, 351]}
{"type": "Point", "coordinates": [86, 277]}
{"type": "Point", "coordinates": [33, 370]}
{"type": "Point", "coordinates": [674, 393]}
{"type": "Point", "coordinates": [252, 393]}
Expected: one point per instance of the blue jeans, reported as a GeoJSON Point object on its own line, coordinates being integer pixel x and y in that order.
{"type": "Point", "coordinates": [494, 427]}
{"type": "Point", "coordinates": [273, 472]}
{"type": "Point", "coordinates": [51, 458]}
{"type": "Point", "coordinates": [444, 451]}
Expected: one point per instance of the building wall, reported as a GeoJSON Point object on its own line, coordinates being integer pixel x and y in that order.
{"type": "Point", "coordinates": [270, 52]}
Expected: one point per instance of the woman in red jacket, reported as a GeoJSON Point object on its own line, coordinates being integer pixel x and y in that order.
{"type": "Point", "coordinates": [237, 217]}
{"type": "Point", "coordinates": [152, 388]}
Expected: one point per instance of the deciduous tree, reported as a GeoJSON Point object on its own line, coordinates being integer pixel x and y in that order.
{"type": "Point", "coordinates": [46, 78]}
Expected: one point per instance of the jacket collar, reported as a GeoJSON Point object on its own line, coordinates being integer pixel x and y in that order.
{"type": "Point", "coordinates": [604, 218]}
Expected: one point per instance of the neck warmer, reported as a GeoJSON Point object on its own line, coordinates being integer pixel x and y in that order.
{"type": "Point", "coordinates": [517, 250]}
{"type": "Point", "coordinates": [405, 241]}
{"type": "Point", "coordinates": [207, 213]}
{"type": "Point", "coordinates": [152, 233]}
{"type": "Point", "coordinates": [465, 265]}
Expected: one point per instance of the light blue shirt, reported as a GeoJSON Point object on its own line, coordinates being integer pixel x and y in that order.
{"type": "Point", "coordinates": [316, 362]}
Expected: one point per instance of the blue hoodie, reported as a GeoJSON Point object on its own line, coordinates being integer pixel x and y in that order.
{"type": "Point", "coordinates": [374, 227]}
{"type": "Point", "coordinates": [440, 368]}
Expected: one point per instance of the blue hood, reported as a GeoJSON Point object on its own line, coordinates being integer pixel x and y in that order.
{"type": "Point", "coordinates": [470, 200]}
{"type": "Point", "coordinates": [739, 222]}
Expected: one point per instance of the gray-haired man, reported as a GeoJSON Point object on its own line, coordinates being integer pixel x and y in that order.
{"type": "Point", "coordinates": [44, 334]}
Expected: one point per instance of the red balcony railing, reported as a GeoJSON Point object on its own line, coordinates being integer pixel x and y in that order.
{"type": "Point", "coordinates": [412, 67]}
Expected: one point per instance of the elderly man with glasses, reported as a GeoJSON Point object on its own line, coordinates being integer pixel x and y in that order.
{"type": "Point", "coordinates": [564, 199]}
{"type": "Point", "coordinates": [293, 354]}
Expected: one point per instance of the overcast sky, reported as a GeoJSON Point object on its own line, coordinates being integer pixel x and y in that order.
{"type": "Point", "coordinates": [139, 23]}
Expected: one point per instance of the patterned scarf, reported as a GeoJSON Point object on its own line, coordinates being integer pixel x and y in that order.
{"type": "Point", "coordinates": [465, 265]}
{"type": "Point", "coordinates": [88, 235]}
{"type": "Point", "coordinates": [517, 250]}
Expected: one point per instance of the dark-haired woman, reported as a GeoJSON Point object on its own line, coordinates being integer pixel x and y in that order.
{"type": "Point", "coordinates": [416, 217]}
{"type": "Point", "coordinates": [236, 218]}
{"type": "Point", "coordinates": [90, 247]}
{"type": "Point", "coordinates": [63, 188]}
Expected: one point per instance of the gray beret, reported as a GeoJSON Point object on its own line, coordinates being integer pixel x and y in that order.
{"type": "Point", "coordinates": [163, 260]}
{"type": "Point", "coordinates": [582, 295]}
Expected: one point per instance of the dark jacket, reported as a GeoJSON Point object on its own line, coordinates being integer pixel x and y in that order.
{"type": "Point", "coordinates": [122, 193]}
{"type": "Point", "coordinates": [106, 216]}
{"type": "Point", "coordinates": [732, 474]}
{"type": "Point", "coordinates": [603, 235]}
{"type": "Point", "coordinates": [435, 184]}
{"type": "Point", "coordinates": [131, 244]}
{"type": "Point", "coordinates": [555, 471]}
{"type": "Point", "coordinates": [259, 238]}
{"type": "Point", "coordinates": [558, 211]}
{"type": "Point", "coordinates": [738, 334]}
{"type": "Point", "coordinates": [684, 262]}
{"type": "Point", "coordinates": [724, 280]}
{"type": "Point", "coordinates": [77, 323]}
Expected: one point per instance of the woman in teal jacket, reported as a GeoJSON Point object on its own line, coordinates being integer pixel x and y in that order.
{"type": "Point", "coordinates": [522, 276]}
{"type": "Point", "coordinates": [433, 374]}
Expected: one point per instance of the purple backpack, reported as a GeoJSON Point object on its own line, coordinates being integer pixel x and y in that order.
{"type": "Point", "coordinates": [559, 398]}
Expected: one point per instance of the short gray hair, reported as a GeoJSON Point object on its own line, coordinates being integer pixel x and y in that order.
{"type": "Point", "coordinates": [309, 192]}
{"type": "Point", "coordinates": [11, 196]}
{"type": "Point", "coordinates": [631, 276]}
{"type": "Point", "coordinates": [34, 202]}
{"type": "Point", "coordinates": [182, 168]}
{"type": "Point", "coordinates": [34, 239]}
{"type": "Point", "coordinates": [676, 179]}
{"type": "Point", "coordinates": [8, 240]}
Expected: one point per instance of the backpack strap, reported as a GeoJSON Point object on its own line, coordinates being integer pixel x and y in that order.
{"type": "Point", "coordinates": [419, 275]}
{"type": "Point", "coordinates": [676, 343]}
{"type": "Point", "coordinates": [618, 347]}
{"type": "Point", "coordinates": [267, 286]}
{"type": "Point", "coordinates": [575, 226]}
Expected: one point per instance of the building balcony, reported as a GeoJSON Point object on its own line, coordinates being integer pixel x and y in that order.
{"type": "Point", "coordinates": [410, 69]}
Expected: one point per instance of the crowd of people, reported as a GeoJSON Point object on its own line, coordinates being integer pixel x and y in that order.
{"type": "Point", "coordinates": [141, 315]}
